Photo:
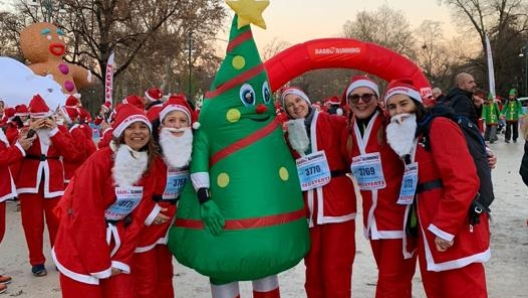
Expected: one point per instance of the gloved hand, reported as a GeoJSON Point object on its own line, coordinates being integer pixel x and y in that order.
{"type": "Point", "coordinates": [212, 217]}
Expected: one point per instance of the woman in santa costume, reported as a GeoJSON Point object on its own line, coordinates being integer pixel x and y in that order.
{"type": "Point", "coordinates": [8, 156]}
{"type": "Point", "coordinates": [378, 171]}
{"type": "Point", "coordinates": [317, 142]}
{"type": "Point", "coordinates": [442, 185]}
{"type": "Point", "coordinates": [152, 266]}
{"type": "Point", "coordinates": [104, 208]}
{"type": "Point", "coordinates": [68, 117]}
{"type": "Point", "coordinates": [40, 180]}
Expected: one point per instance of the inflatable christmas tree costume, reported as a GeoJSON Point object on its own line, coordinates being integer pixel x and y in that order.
{"type": "Point", "coordinates": [243, 216]}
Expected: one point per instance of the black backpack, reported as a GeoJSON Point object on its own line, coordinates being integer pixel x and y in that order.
{"type": "Point", "coordinates": [477, 149]}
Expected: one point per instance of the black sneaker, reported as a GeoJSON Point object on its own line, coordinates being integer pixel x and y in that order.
{"type": "Point", "coordinates": [39, 270]}
{"type": "Point", "coordinates": [515, 141]}
{"type": "Point", "coordinates": [507, 141]}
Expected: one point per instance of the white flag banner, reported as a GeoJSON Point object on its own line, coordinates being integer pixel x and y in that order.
{"type": "Point", "coordinates": [491, 71]}
{"type": "Point", "coordinates": [109, 79]}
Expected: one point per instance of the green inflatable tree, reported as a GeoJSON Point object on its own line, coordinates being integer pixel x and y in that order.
{"type": "Point", "coordinates": [247, 220]}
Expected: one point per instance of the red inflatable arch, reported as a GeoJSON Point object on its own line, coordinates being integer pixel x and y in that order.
{"type": "Point", "coordinates": [343, 53]}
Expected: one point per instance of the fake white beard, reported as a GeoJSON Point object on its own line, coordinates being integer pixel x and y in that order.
{"type": "Point", "coordinates": [60, 121]}
{"type": "Point", "coordinates": [400, 133]}
{"type": "Point", "coordinates": [129, 166]}
{"type": "Point", "coordinates": [176, 150]}
{"type": "Point", "coordinates": [297, 135]}
{"type": "Point", "coordinates": [43, 135]}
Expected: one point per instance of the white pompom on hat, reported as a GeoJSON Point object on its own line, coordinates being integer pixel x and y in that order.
{"type": "Point", "coordinates": [126, 115]}
{"type": "Point", "coordinates": [405, 87]}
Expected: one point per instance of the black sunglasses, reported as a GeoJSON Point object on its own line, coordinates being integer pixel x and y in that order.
{"type": "Point", "coordinates": [366, 97]}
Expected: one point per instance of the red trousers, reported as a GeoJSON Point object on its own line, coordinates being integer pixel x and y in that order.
{"type": "Point", "coordinates": [152, 273]}
{"type": "Point", "coordinates": [329, 261]}
{"type": "Point", "coordinates": [465, 282]}
{"type": "Point", "coordinates": [2, 220]}
{"type": "Point", "coordinates": [395, 273]}
{"type": "Point", "coordinates": [119, 286]}
{"type": "Point", "coordinates": [33, 208]}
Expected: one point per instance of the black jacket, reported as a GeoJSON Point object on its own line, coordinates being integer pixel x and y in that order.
{"type": "Point", "coordinates": [462, 103]}
{"type": "Point", "coordinates": [524, 164]}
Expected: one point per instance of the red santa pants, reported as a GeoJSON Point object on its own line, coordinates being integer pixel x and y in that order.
{"type": "Point", "coordinates": [468, 281]}
{"type": "Point", "coordinates": [2, 220]}
{"type": "Point", "coordinates": [394, 272]}
{"type": "Point", "coordinates": [33, 208]}
{"type": "Point", "coordinates": [329, 261]}
{"type": "Point", "coordinates": [152, 272]}
{"type": "Point", "coordinates": [119, 286]}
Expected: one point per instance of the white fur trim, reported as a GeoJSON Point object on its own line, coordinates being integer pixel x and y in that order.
{"type": "Point", "coordinates": [17, 144]}
{"type": "Point", "coordinates": [83, 278]}
{"type": "Point", "coordinates": [405, 91]}
{"type": "Point", "coordinates": [152, 216]}
{"type": "Point", "coordinates": [339, 112]}
{"type": "Point", "coordinates": [363, 83]}
{"type": "Point", "coordinates": [53, 132]}
{"type": "Point", "coordinates": [49, 113]}
{"type": "Point", "coordinates": [150, 97]}
{"type": "Point", "coordinates": [294, 91]}
{"type": "Point", "coordinates": [442, 234]}
{"type": "Point", "coordinates": [128, 121]}
{"type": "Point", "coordinates": [200, 180]}
{"type": "Point", "coordinates": [297, 135]}
{"type": "Point", "coordinates": [196, 125]}
{"type": "Point", "coordinates": [121, 266]}
{"type": "Point", "coordinates": [171, 108]}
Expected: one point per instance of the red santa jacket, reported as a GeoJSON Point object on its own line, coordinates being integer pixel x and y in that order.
{"type": "Point", "coordinates": [8, 156]}
{"type": "Point", "coordinates": [12, 132]}
{"type": "Point", "coordinates": [85, 147]}
{"type": "Point", "coordinates": [335, 201]}
{"type": "Point", "coordinates": [443, 211]}
{"type": "Point", "coordinates": [105, 139]}
{"type": "Point", "coordinates": [382, 216]}
{"type": "Point", "coordinates": [43, 162]}
{"type": "Point", "coordinates": [82, 251]}
{"type": "Point", "coordinates": [157, 234]}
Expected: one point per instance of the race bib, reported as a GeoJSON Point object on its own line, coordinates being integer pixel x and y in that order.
{"type": "Point", "coordinates": [409, 183]}
{"type": "Point", "coordinates": [368, 171]}
{"type": "Point", "coordinates": [127, 200]}
{"type": "Point", "coordinates": [313, 170]}
{"type": "Point", "coordinates": [176, 180]}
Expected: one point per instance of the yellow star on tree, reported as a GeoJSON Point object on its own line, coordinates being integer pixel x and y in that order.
{"type": "Point", "coordinates": [249, 11]}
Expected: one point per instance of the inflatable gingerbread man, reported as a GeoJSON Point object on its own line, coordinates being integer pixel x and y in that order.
{"type": "Point", "coordinates": [43, 45]}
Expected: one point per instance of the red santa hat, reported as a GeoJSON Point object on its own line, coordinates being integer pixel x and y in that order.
{"type": "Point", "coordinates": [126, 115]}
{"type": "Point", "coordinates": [178, 102]}
{"type": "Point", "coordinates": [361, 81]}
{"type": "Point", "coordinates": [153, 94]}
{"type": "Point", "coordinates": [38, 108]}
{"type": "Point", "coordinates": [69, 114]}
{"type": "Point", "coordinates": [21, 110]}
{"type": "Point", "coordinates": [296, 91]}
{"type": "Point", "coordinates": [153, 112]}
{"type": "Point", "coordinates": [135, 101]}
{"type": "Point", "coordinates": [72, 101]}
{"type": "Point", "coordinates": [405, 87]}
{"type": "Point", "coordinates": [84, 115]}
{"type": "Point", "coordinates": [106, 106]}
{"type": "Point", "coordinates": [9, 114]}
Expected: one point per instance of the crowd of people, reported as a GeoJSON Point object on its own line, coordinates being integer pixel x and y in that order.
{"type": "Point", "coordinates": [108, 206]}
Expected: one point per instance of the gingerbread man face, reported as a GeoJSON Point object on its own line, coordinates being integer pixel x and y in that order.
{"type": "Point", "coordinates": [43, 45]}
{"type": "Point", "coordinates": [42, 42]}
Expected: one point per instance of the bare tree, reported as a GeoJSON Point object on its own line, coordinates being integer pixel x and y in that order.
{"type": "Point", "coordinates": [272, 48]}
{"type": "Point", "coordinates": [385, 26]}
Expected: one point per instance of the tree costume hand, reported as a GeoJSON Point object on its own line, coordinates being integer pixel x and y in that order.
{"type": "Point", "coordinates": [212, 218]}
